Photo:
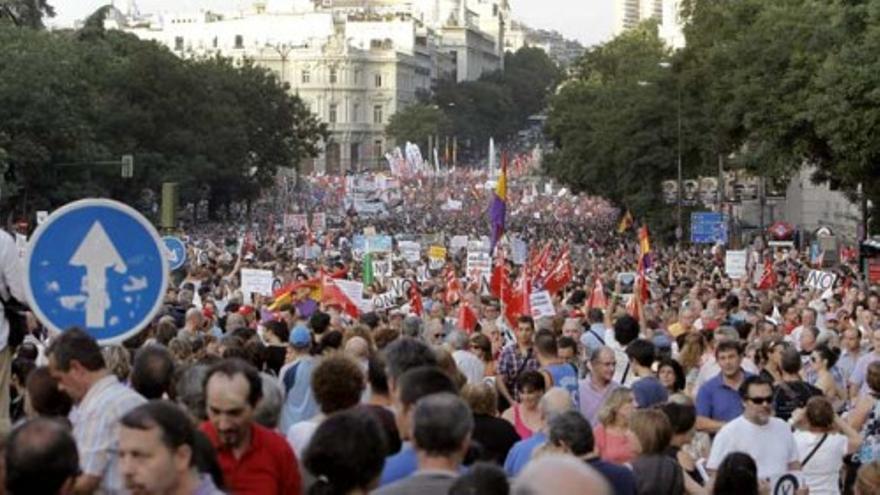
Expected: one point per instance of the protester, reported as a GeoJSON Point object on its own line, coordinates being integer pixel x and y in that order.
{"type": "Point", "coordinates": [865, 416]}
{"type": "Point", "coordinates": [614, 440]}
{"type": "Point", "coordinates": [654, 470]}
{"type": "Point", "coordinates": [442, 426]}
{"type": "Point", "coordinates": [822, 444]}
{"type": "Point", "coordinates": [481, 479]}
{"type": "Point", "coordinates": [515, 359]}
{"type": "Point", "coordinates": [254, 459]}
{"type": "Point", "coordinates": [556, 401]}
{"type": "Point", "coordinates": [524, 414]}
{"type": "Point", "coordinates": [346, 454]}
{"type": "Point", "coordinates": [560, 475]}
{"type": "Point", "coordinates": [776, 453]}
{"type": "Point", "coordinates": [158, 451]}
{"type": "Point", "coordinates": [556, 371]}
{"type": "Point", "coordinates": [76, 362]}
{"type": "Point", "coordinates": [646, 388]}
{"type": "Point", "coordinates": [737, 475]}
{"type": "Point", "coordinates": [495, 435]}
{"type": "Point", "coordinates": [570, 433]}
{"type": "Point", "coordinates": [296, 377]}
{"type": "Point", "coordinates": [792, 392]}
{"type": "Point", "coordinates": [671, 376]}
{"type": "Point", "coordinates": [718, 400]}
{"type": "Point", "coordinates": [683, 420]}
{"type": "Point", "coordinates": [596, 388]}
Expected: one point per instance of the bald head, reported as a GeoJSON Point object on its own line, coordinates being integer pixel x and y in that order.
{"type": "Point", "coordinates": [559, 475]}
{"type": "Point", "coordinates": [556, 401]}
{"type": "Point", "coordinates": [357, 347]}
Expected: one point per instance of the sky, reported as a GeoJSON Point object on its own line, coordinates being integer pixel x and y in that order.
{"type": "Point", "coordinates": [588, 21]}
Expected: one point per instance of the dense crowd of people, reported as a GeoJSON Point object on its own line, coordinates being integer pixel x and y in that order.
{"type": "Point", "coordinates": [684, 380]}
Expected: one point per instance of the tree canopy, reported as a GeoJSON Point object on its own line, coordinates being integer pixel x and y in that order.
{"type": "Point", "coordinates": [71, 99]}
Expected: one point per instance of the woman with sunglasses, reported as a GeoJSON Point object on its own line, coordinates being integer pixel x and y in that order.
{"type": "Point", "coordinates": [828, 378]}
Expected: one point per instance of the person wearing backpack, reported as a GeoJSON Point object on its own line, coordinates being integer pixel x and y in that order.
{"type": "Point", "coordinates": [822, 442]}
{"type": "Point", "coordinates": [792, 392]}
{"type": "Point", "coordinates": [13, 326]}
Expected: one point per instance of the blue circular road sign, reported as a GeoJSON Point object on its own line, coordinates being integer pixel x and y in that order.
{"type": "Point", "coordinates": [99, 265]}
{"type": "Point", "coordinates": [175, 252]}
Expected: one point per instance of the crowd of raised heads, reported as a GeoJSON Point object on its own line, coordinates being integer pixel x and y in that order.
{"type": "Point", "coordinates": [629, 377]}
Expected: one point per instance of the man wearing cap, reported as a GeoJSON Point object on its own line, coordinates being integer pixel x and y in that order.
{"type": "Point", "coordinates": [296, 377]}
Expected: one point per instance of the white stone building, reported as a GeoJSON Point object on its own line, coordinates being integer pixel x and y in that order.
{"type": "Point", "coordinates": [629, 13]}
{"type": "Point", "coordinates": [355, 63]}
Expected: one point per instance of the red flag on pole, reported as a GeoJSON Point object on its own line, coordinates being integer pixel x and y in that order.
{"type": "Point", "coordinates": [519, 303]}
{"type": "Point", "coordinates": [453, 287]}
{"type": "Point", "coordinates": [415, 299]}
{"type": "Point", "coordinates": [768, 278]}
{"type": "Point", "coordinates": [561, 273]}
{"type": "Point", "coordinates": [500, 280]}
{"type": "Point", "coordinates": [597, 296]}
{"type": "Point", "coordinates": [467, 318]}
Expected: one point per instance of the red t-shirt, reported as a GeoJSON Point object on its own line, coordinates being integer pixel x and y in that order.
{"type": "Point", "coordinates": [268, 467]}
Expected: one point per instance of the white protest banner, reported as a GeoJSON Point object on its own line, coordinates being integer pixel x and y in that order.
{"type": "Point", "coordinates": [458, 242]}
{"type": "Point", "coordinates": [377, 244]}
{"type": "Point", "coordinates": [735, 264]}
{"type": "Point", "coordinates": [384, 301]}
{"type": "Point", "coordinates": [451, 205]}
{"type": "Point", "coordinates": [42, 215]}
{"type": "Point", "coordinates": [422, 274]}
{"type": "Point", "coordinates": [479, 263]}
{"type": "Point", "coordinates": [519, 251]}
{"type": "Point", "coordinates": [399, 287]}
{"type": "Point", "coordinates": [382, 268]}
{"type": "Point", "coordinates": [820, 281]}
{"type": "Point", "coordinates": [256, 282]}
{"type": "Point", "coordinates": [354, 291]}
{"type": "Point", "coordinates": [411, 251]}
{"type": "Point", "coordinates": [542, 304]}
{"type": "Point", "coordinates": [319, 222]}
{"type": "Point", "coordinates": [296, 221]}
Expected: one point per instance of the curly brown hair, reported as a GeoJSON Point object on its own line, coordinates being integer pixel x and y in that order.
{"type": "Point", "coordinates": [338, 383]}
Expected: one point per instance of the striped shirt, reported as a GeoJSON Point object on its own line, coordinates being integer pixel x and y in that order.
{"type": "Point", "coordinates": [95, 421]}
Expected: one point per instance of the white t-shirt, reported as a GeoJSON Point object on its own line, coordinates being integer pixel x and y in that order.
{"type": "Point", "coordinates": [300, 434]}
{"type": "Point", "coordinates": [823, 470]}
{"type": "Point", "coordinates": [624, 374]}
{"type": "Point", "coordinates": [470, 365]}
{"type": "Point", "coordinates": [772, 445]}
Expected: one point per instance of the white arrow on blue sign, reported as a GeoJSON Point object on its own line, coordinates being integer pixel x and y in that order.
{"type": "Point", "coordinates": [99, 265]}
{"type": "Point", "coordinates": [175, 252]}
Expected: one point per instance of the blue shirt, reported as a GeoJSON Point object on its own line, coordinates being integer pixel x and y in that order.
{"type": "Point", "coordinates": [716, 400]}
{"type": "Point", "coordinates": [520, 454]}
{"type": "Point", "coordinates": [400, 465]}
{"type": "Point", "coordinates": [621, 479]}
{"type": "Point", "coordinates": [648, 391]}
{"type": "Point", "coordinates": [594, 336]}
{"type": "Point", "coordinates": [565, 376]}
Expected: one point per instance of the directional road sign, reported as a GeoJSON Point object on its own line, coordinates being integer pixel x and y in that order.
{"type": "Point", "coordinates": [175, 251]}
{"type": "Point", "coordinates": [99, 265]}
{"type": "Point", "coordinates": [708, 228]}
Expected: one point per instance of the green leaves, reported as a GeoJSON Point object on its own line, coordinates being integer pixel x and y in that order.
{"type": "Point", "coordinates": [81, 97]}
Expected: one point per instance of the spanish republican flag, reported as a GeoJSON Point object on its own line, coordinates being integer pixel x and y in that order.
{"type": "Point", "coordinates": [498, 207]}
{"type": "Point", "coordinates": [645, 248]}
{"type": "Point", "coordinates": [626, 222]}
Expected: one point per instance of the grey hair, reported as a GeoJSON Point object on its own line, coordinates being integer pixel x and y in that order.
{"type": "Point", "coordinates": [190, 390]}
{"type": "Point", "coordinates": [555, 402]}
{"type": "Point", "coordinates": [193, 313]}
{"type": "Point", "coordinates": [268, 410]}
{"type": "Point", "coordinates": [441, 424]}
{"type": "Point", "coordinates": [405, 354]}
{"type": "Point", "coordinates": [572, 430]}
{"type": "Point", "coordinates": [458, 340]}
{"type": "Point", "coordinates": [412, 326]}
{"type": "Point", "coordinates": [597, 353]}
{"type": "Point", "coordinates": [559, 474]}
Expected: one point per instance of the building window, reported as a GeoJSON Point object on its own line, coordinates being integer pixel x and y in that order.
{"type": "Point", "coordinates": [214, 43]}
{"type": "Point", "coordinates": [178, 43]}
{"type": "Point", "coordinates": [378, 80]}
{"type": "Point", "coordinates": [356, 113]}
{"type": "Point", "coordinates": [377, 114]}
{"type": "Point", "coordinates": [333, 75]}
{"type": "Point", "coordinates": [306, 76]}
{"type": "Point", "coordinates": [332, 117]}
{"type": "Point", "coordinates": [239, 41]}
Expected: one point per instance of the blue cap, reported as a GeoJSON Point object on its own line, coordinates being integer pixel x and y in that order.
{"type": "Point", "coordinates": [300, 337]}
{"type": "Point", "coordinates": [662, 341]}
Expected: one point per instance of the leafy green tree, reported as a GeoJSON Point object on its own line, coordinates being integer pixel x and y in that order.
{"type": "Point", "coordinates": [25, 13]}
{"type": "Point", "coordinates": [416, 122]}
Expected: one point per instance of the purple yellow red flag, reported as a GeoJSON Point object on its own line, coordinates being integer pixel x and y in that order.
{"type": "Point", "coordinates": [498, 207]}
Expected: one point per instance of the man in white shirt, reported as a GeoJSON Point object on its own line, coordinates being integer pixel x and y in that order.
{"type": "Point", "coordinates": [11, 285]}
{"type": "Point", "coordinates": [756, 432]}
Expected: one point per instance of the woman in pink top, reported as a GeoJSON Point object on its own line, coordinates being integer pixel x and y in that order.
{"type": "Point", "coordinates": [614, 440]}
{"type": "Point", "coordinates": [524, 415]}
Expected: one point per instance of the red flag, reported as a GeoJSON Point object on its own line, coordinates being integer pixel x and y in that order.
{"type": "Point", "coordinates": [561, 273]}
{"type": "Point", "coordinates": [793, 280]}
{"type": "Point", "coordinates": [500, 280]}
{"type": "Point", "coordinates": [415, 299]}
{"type": "Point", "coordinates": [467, 318]}
{"type": "Point", "coordinates": [537, 263]}
{"type": "Point", "coordinates": [768, 278]}
{"type": "Point", "coordinates": [597, 296]}
{"type": "Point", "coordinates": [331, 294]}
{"type": "Point", "coordinates": [453, 287]}
{"type": "Point", "coordinates": [518, 302]}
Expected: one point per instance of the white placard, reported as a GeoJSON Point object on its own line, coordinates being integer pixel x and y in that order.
{"type": "Point", "coordinates": [458, 242]}
{"type": "Point", "coordinates": [821, 281]}
{"type": "Point", "coordinates": [735, 264]}
{"type": "Point", "coordinates": [384, 301]}
{"type": "Point", "coordinates": [479, 262]}
{"type": "Point", "coordinates": [42, 215]}
{"type": "Point", "coordinates": [519, 251]}
{"type": "Point", "coordinates": [355, 292]}
{"type": "Point", "coordinates": [542, 304]}
{"type": "Point", "coordinates": [411, 251]}
{"type": "Point", "coordinates": [256, 282]}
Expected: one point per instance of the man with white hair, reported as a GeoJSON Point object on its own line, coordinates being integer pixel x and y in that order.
{"type": "Point", "coordinates": [193, 323]}
{"type": "Point", "coordinates": [556, 401]}
{"type": "Point", "coordinates": [467, 362]}
{"type": "Point", "coordinates": [559, 475]}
